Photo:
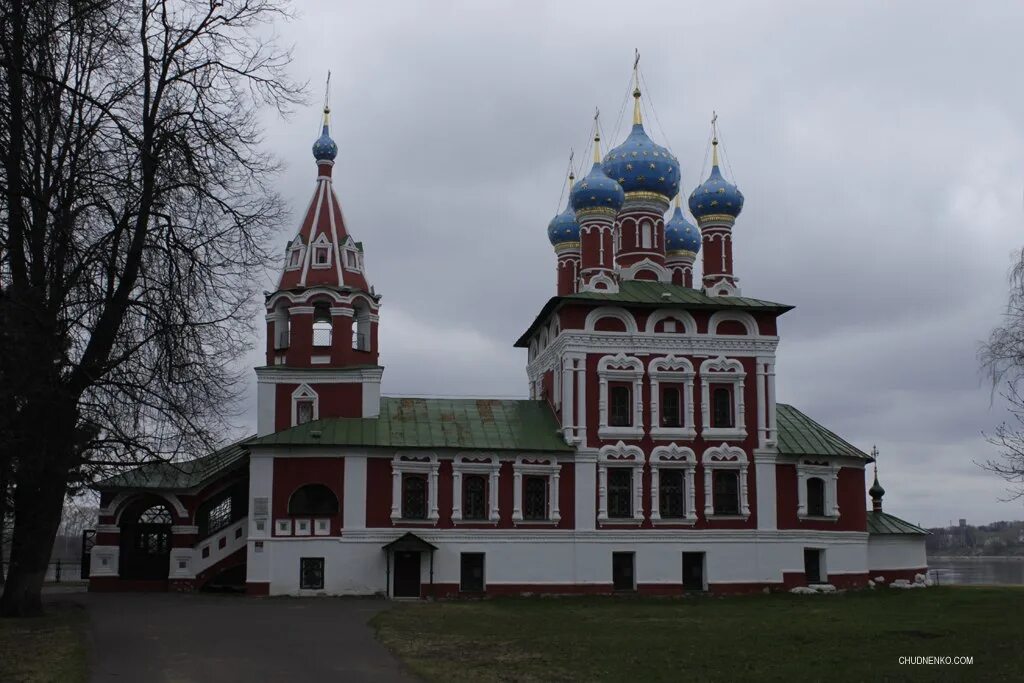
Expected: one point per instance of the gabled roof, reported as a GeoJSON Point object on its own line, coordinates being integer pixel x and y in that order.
{"type": "Point", "coordinates": [882, 523]}
{"type": "Point", "coordinates": [179, 476]}
{"type": "Point", "coordinates": [477, 424]}
{"type": "Point", "coordinates": [648, 294]}
{"type": "Point", "coordinates": [800, 435]}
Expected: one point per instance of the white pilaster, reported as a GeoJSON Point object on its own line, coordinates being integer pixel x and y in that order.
{"type": "Point", "coordinates": [355, 492]}
{"type": "Point", "coordinates": [585, 488]}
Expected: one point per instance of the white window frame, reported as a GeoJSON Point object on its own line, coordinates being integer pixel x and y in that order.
{"type": "Point", "coordinates": [723, 370]}
{"type": "Point", "coordinates": [484, 464]}
{"type": "Point", "coordinates": [321, 245]}
{"type": "Point", "coordinates": [829, 472]}
{"type": "Point", "coordinates": [357, 257]}
{"type": "Point", "coordinates": [674, 370]}
{"type": "Point", "coordinates": [412, 463]}
{"type": "Point", "coordinates": [298, 247]}
{"type": "Point", "coordinates": [674, 457]}
{"type": "Point", "coordinates": [725, 457]}
{"type": "Point", "coordinates": [304, 393]}
{"type": "Point", "coordinates": [535, 466]}
{"type": "Point", "coordinates": [621, 368]}
{"type": "Point", "coordinates": [620, 455]}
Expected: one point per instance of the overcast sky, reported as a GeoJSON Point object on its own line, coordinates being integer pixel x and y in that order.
{"type": "Point", "coordinates": [880, 148]}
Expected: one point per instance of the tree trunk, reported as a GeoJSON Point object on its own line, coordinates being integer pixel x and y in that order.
{"type": "Point", "coordinates": [3, 514]}
{"type": "Point", "coordinates": [40, 484]}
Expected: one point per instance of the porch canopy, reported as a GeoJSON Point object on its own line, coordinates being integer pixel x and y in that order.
{"type": "Point", "coordinates": [407, 542]}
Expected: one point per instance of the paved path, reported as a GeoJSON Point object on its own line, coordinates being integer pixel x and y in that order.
{"type": "Point", "coordinates": [196, 638]}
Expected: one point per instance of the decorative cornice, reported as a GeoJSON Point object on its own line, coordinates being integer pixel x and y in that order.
{"type": "Point", "coordinates": [596, 211]}
{"type": "Point", "coordinates": [722, 219]}
{"type": "Point", "coordinates": [646, 196]}
{"type": "Point", "coordinates": [566, 247]}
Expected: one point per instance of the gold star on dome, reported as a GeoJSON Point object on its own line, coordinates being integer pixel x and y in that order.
{"type": "Point", "coordinates": [653, 167]}
{"type": "Point", "coordinates": [633, 153]}
{"type": "Point", "coordinates": [641, 178]}
{"type": "Point", "coordinates": [661, 179]}
{"type": "Point", "coordinates": [629, 167]}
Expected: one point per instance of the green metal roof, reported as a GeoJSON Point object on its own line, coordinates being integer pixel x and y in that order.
{"type": "Point", "coordinates": [654, 294]}
{"type": "Point", "coordinates": [179, 476]}
{"type": "Point", "coordinates": [800, 435]}
{"type": "Point", "coordinates": [478, 424]}
{"type": "Point", "coordinates": [884, 523]}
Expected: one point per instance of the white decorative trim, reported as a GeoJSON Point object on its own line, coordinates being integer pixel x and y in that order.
{"type": "Point", "coordinates": [620, 455]}
{"type": "Point", "coordinates": [283, 527]}
{"type": "Point", "coordinates": [482, 463]}
{"type": "Point", "coordinates": [689, 324]}
{"type": "Point", "coordinates": [826, 471]}
{"type": "Point", "coordinates": [724, 286]}
{"type": "Point", "coordinates": [321, 244]}
{"type": "Point", "coordinates": [304, 393]}
{"type": "Point", "coordinates": [629, 272]}
{"type": "Point", "coordinates": [725, 457]}
{"type": "Point", "coordinates": [674, 457]}
{"type": "Point", "coordinates": [723, 370]}
{"type": "Point", "coordinates": [413, 463]}
{"type": "Point", "coordinates": [296, 246]}
{"type": "Point", "coordinates": [179, 509]}
{"type": "Point", "coordinates": [676, 370]}
{"type": "Point", "coordinates": [741, 317]}
{"type": "Point", "coordinates": [620, 367]}
{"type": "Point", "coordinates": [620, 314]}
{"type": "Point", "coordinates": [547, 467]}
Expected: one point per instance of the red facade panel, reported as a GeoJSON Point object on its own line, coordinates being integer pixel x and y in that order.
{"type": "Point", "coordinates": [291, 473]}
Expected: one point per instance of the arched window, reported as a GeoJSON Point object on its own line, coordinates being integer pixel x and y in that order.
{"type": "Point", "coordinates": [474, 497]}
{"type": "Point", "coordinates": [672, 493]}
{"type": "Point", "coordinates": [414, 496]}
{"type": "Point", "coordinates": [313, 500]}
{"type": "Point", "coordinates": [645, 235]}
{"type": "Point", "coordinates": [726, 492]}
{"type": "Point", "coordinates": [721, 407]}
{"type": "Point", "coordinates": [158, 514]}
{"type": "Point", "coordinates": [816, 497]}
{"type": "Point", "coordinates": [321, 325]}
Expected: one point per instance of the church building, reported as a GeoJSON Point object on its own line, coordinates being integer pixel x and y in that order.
{"type": "Point", "coordinates": [651, 455]}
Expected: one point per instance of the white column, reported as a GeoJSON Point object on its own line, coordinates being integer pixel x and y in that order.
{"type": "Point", "coordinates": [432, 483]}
{"type": "Point", "coordinates": [493, 490]}
{"type": "Point", "coordinates": [762, 417]}
{"type": "Point", "coordinates": [744, 498]}
{"type": "Point", "coordinates": [261, 488]}
{"type": "Point", "coordinates": [801, 491]}
{"type": "Point", "coordinates": [456, 494]}
{"type": "Point", "coordinates": [638, 491]}
{"type": "Point", "coordinates": [655, 502]}
{"type": "Point", "coordinates": [396, 493]}
{"type": "Point", "coordinates": [553, 498]}
{"type": "Point", "coordinates": [772, 427]}
{"type": "Point", "coordinates": [688, 410]}
{"type": "Point", "coordinates": [691, 495]}
{"type": "Point", "coordinates": [517, 495]}
{"type": "Point", "coordinates": [602, 492]}
{"type": "Point", "coordinates": [567, 396]}
{"type": "Point", "coordinates": [265, 408]}
{"type": "Point", "coordinates": [709, 506]}
{"type": "Point", "coordinates": [767, 513]}
{"type": "Point", "coordinates": [581, 399]}
{"type": "Point", "coordinates": [354, 499]}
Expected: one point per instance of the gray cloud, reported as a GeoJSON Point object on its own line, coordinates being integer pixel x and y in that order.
{"type": "Point", "coordinates": [879, 147]}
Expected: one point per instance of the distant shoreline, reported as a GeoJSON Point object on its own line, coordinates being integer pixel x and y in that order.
{"type": "Point", "coordinates": [980, 558]}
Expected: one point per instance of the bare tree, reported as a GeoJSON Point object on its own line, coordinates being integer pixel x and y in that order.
{"type": "Point", "coordinates": [1002, 357]}
{"type": "Point", "coordinates": [135, 208]}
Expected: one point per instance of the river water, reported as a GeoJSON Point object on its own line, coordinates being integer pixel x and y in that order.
{"type": "Point", "coordinates": [1003, 571]}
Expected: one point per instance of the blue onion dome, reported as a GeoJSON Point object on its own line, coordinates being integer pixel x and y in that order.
{"type": "Point", "coordinates": [716, 195]}
{"type": "Point", "coordinates": [596, 190]}
{"type": "Point", "coordinates": [564, 228]}
{"type": "Point", "coordinates": [640, 165]}
{"type": "Point", "coordinates": [325, 149]}
{"type": "Point", "coordinates": [681, 234]}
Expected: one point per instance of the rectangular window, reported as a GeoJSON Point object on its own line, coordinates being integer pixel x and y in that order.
{"type": "Point", "coordinates": [620, 494]}
{"type": "Point", "coordinates": [619, 412]}
{"type": "Point", "coordinates": [816, 497]}
{"type": "Point", "coordinates": [293, 258]}
{"type": "Point", "coordinates": [303, 411]}
{"type": "Point", "coordinates": [474, 497]}
{"type": "Point", "coordinates": [321, 256]}
{"type": "Point", "coordinates": [414, 496]}
{"type": "Point", "coordinates": [535, 498]}
{"type": "Point", "coordinates": [311, 573]}
{"type": "Point", "coordinates": [472, 577]}
{"type": "Point", "coordinates": [622, 572]}
{"type": "Point", "coordinates": [726, 484]}
{"type": "Point", "coordinates": [671, 407]}
{"type": "Point", "coordinates": [672, 494]}
{"type": "Point", "coordinates": [721, 406]}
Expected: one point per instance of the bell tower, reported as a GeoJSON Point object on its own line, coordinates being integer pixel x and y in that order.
{"type": "Point", "coordinates": [322, 321]}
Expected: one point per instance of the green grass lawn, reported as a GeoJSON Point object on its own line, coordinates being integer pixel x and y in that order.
{"type": "Point", "coordinates": [46, 649]}
{"type": "Point", "coordinates": [851, 636]}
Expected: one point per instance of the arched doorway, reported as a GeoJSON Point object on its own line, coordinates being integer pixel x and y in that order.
{"type": "Point", "coordinates": [146, 540]}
